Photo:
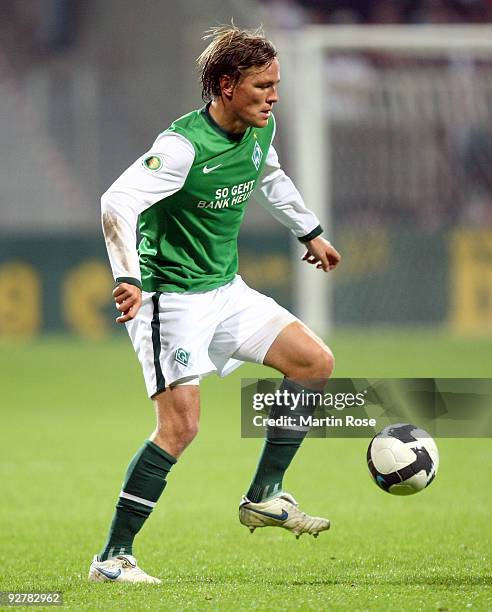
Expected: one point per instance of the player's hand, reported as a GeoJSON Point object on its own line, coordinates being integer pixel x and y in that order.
{"type": "Point", "coordinates": [321, 253]}
{"type": "Point", "coordinates": [128, 300]}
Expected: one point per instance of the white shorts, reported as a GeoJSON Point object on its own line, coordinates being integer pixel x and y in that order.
{"type": "Point", "coordinates": [180, 336]}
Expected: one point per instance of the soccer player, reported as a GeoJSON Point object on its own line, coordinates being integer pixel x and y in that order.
{"type": "Point", "coordinates": [187, 311]}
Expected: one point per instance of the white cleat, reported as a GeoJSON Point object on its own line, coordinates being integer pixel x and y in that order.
{"type": "Point", "coordinates": [281, 511]}
{"type": "Point", "coordinates": [122, 568]}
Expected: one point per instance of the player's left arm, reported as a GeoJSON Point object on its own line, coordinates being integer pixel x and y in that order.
{"type": "Point", "coordinates": [276, 192]}
{"type": "Point", "coordinates": [322, 253]}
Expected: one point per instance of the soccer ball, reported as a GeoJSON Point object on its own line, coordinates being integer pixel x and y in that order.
{"type": "Point", "coordinates": [402, 459]}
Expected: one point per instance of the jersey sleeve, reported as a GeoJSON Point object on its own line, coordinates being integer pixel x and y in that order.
{"type": "Point", "coordinates": [277, 193]}
{"type": "Point", "coordinates": [158, 174]}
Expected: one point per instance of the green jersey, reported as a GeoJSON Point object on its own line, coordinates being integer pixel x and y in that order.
{"type": "Point", "coordinates": [188, 196]}
{"type": "Point", "coordinates": [189, 239]}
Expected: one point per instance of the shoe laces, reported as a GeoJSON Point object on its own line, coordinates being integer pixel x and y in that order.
{"type": "Point", "coordinates": [290, 499]}
{"type": "Point", "coordinates": [128, 562]}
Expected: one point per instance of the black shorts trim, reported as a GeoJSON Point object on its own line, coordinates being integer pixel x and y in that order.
{"type": "Point", "coordinates": [160, 383]}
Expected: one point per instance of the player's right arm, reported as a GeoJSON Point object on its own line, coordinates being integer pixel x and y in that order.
{"type": "Point", "coordinates": [154, 176]}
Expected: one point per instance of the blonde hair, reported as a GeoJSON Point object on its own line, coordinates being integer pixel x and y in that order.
{"type": "Point", "coordinates": [231, 52]}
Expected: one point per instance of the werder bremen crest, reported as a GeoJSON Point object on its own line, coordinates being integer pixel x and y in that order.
{"type": "Point", "coordinates": [257, 155]}
{"type": "Point", "coordinates": [182, 356]}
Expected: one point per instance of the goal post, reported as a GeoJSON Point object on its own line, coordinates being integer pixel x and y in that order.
{"type": "Point", "coordinates": [432, 61]}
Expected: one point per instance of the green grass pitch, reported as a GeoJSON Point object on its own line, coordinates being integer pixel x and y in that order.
{"type": "Point", "coordinates": [73, 414]}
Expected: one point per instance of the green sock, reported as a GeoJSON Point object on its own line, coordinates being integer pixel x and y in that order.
{"type": "Point", "coordinates": [144, 482]}
{"type": "Point", "coordinates": [280, 447]}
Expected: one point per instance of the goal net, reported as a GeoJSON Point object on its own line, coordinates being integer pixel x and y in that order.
{"type": "Point", "coordinates": [390, 141]}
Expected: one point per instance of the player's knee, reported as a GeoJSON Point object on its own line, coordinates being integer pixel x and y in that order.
{"type": "Point", "coordinates": [329, 362]}
{"type": "Point", "coordinates": [323, 364]}
{"type": "Point", "coordinates": [317, 364]}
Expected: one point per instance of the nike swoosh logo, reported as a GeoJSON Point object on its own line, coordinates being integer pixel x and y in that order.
{"type": "Point", "coordinates": [206, 169]}
{"type": "Point", "coordinates": [108, 574]}
{"type": "Point", "coordinates": [277, 517]}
